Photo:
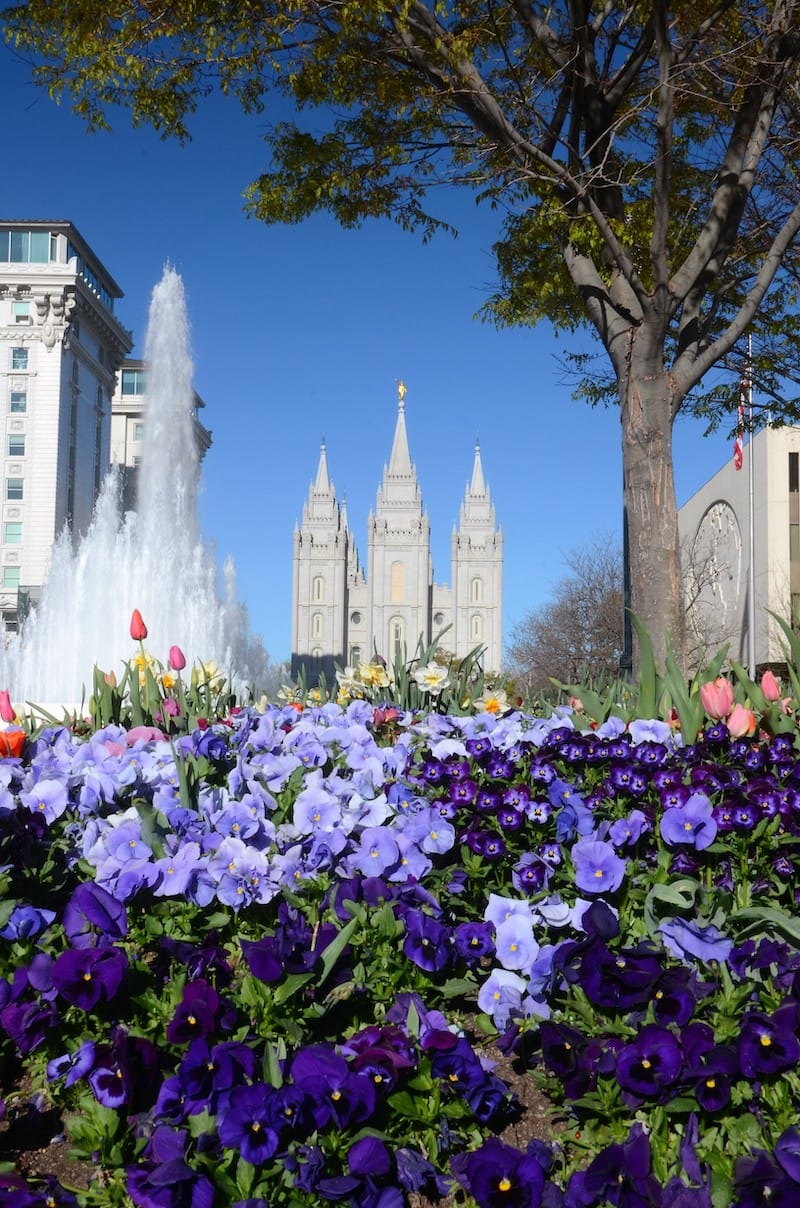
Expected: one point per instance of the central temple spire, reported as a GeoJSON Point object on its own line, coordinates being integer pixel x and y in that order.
{"type": "Point", "coordinates": [400, 461]}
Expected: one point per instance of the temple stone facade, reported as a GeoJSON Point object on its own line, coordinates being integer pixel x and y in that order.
{"type": "Point", "coordinates": [343, 613]}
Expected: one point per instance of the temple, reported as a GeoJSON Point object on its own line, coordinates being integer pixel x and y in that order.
{"type": "Point", "coordinates": [343, 614]}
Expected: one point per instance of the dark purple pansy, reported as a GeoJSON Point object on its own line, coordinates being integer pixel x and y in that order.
{"type": "Point", "coordinates": [427, 941]}
{"type": "Point", "coordinates": [263, 958]}
{"type": "Point", "coordinates": [498, 1174]}
{"type": "Point", "coordinates": [93, 917]}
{"type": "Point", "coordinates": [246, 1124]}
{"type": "Point", "coordinates": [83, 976]}
{"type": "Point", "coordinates": [196, 1014]}
{"type": "Point", "coordinates": [787, 1151]}
{"type": "Point", "coordinates": [768, 1044]}
{"type": "Point", "coordinates": [651, 1062]}
{"type": "Point", "coordinates": [618, 1175]}
{"type": "Point", "coordinates": [759, 1180]}
{"type": "Point", "coordinates": [713, 1078]}
{"type": "Point", "coordinates": [463, 792]}
{"type": "Point", "coordinates": [473, 941]}
{"type": "Point", "coordinates": [28, 1023]}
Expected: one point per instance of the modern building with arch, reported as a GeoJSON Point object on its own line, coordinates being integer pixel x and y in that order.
{"type": "Point", "coordinates": [716, 549]}
{"type": "Point", "coordinates": [344, 613]}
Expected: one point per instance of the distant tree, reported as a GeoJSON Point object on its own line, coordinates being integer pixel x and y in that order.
{"type": "Point", "coordinates": [577, 636]}
{"type": "Point", "coordinates": [644, 157]}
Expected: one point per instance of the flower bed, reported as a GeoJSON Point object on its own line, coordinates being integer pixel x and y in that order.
{"type": "Point", "coordinates": [263, 964]}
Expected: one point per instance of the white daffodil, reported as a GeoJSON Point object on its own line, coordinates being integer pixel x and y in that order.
{"type": "Point", "coordinates": [432, 678]}
{"type": "Point", "coordinates": [494, 700]}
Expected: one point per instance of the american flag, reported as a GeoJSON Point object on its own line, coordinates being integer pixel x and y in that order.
{"type": "Point", "coordinates": [738, 442]}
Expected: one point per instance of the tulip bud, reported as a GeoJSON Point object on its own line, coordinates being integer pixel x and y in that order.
{"type": "Point", "coordinates": [110, 678]}
{"type": "Point", "coordinates": [138, 627]}
{"type": "Point", "coordinates": [717, 698]}
{"type": "Point", "coordinates": [6, 708]}
{"type": "Point", "coordinates": [177, 659]}
{"type": "Point", "coordinates": [770, 686]}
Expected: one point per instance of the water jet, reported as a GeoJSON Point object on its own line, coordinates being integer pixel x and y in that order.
{"type": "Point", "coordinates": [153, 558]}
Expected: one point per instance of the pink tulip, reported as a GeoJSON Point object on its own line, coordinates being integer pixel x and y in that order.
{"type": "Point", "coordinates": [742, 722]}
{"type": "Point", "coordinates": [177, 659]}
{"type": "Point", "coordinates": [138, 627]}
{"type": "Point", "coordinates": [6, 708]}
{"type": "Point", "coordinates": [770, 686]}
{"type": "Point", "coordinates": [717, 698]}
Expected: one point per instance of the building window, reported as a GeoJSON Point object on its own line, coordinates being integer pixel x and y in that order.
{"type": "Point", "coordinates": [438, 618]}
{"type": "Point", "coordinates": [16, 446]}
{"type": "Point", "coordinates": [318, 588]}
{"type": "Point", "coordinates": [14, 488]}
{"type": "Point", "coordinates": [19, 359]}
{"type": "Point", "coordinates": [10, 576]}
{"type": "Point", "coordinates": [21, 312]}
{"type": "Point", "coordinates": [355, 618]}
{"type": "Point", "coordinates": [12, 532]}
{"type": "Point", "coordinates": [397, 587]}
{"type": "Point", "coordinates": [138, 431]}
{"type": "Point", "coordinates": [476, 591]}
{"type": "Point", "coordinates": [794, 542]}
{"type": "Point", "coordinates": [794, 472]}
{"type": "Point", "coordinates": [477, 627]}
{"type": "Point", "coordinates": [396, 635]}
{"type": "Point", "coordinates": [27, 247]}
{"type": "Point", "coordinates": [19, 402]}
{"type": "Point", "coordinates": [355, 656]}
{"type": "Point", "coordinates": [316, 625]}
{"type": "Point", "coordinates": [133, 381]}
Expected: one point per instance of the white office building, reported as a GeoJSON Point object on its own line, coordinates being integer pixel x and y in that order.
{"type": "Point", "coordinates": [128, 407]}
{"type": "Point", "coordinates": [61, 348]}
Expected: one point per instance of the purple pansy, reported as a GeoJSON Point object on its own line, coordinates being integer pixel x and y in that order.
{"type": "Point", "coordinates": [692, 824]}
{"type": "Point", "coordinates": [598, 868]}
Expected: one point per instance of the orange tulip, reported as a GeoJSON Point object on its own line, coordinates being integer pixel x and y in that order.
{"type": "Point", "coordinates": [11, 743]}
{"type": "Point", "coordinates": [742, 722]}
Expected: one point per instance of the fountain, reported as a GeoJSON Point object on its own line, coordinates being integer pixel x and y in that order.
{"type": "Point", "coordinates": [153, 559]}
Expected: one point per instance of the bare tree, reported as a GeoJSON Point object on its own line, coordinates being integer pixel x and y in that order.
{"type": "Point", "coordinates": [577, 636]}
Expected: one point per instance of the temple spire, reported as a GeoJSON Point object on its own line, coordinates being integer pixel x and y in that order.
{"type": "Point", "coordinates": [400, 460]}
{"type": "Point", "coordinates": [322, 484]}
{"type": "Point", "coordinates": [477, 486]}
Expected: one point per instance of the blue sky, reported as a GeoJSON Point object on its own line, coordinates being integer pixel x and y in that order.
{"type": "Point", "coordinates": [301, 332]}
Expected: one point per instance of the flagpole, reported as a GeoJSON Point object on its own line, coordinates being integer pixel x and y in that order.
{"type": "Point", "coordinates": [751, 586]}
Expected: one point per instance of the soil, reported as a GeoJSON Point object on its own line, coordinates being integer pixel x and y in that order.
{"type": "Point", "coordinates": [32, 1135]}
{"type": "Point", "coordinates": [32, 1139]}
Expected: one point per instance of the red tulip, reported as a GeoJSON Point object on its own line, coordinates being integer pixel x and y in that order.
{"type": "Point", "coordinates": [6, 708]}
{"type": "Point", "coordinates": [177, 659]}
{"type": "Point", "coordinates": [138, 627]}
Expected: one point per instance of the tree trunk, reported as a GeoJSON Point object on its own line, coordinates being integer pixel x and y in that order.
{"type": "Point", "coordinates": [651, 513]}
